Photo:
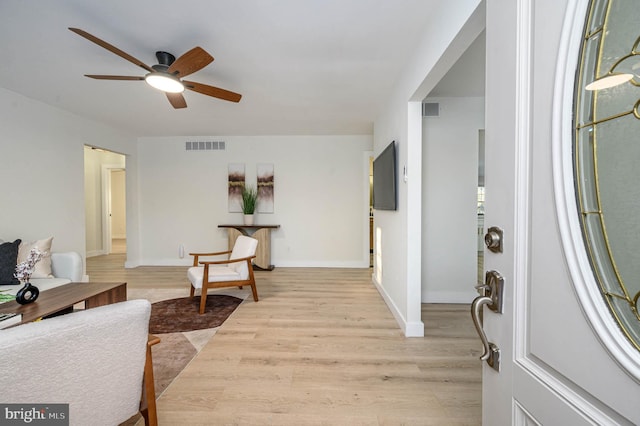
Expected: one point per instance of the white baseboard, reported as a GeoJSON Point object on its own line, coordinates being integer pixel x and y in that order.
{"type": "Point", "coordinates": [157, 262]}
{"type": "Point", "coordinates": [131, 264]}
{"type": "Point", "coordinates": [95, 253]}
{"type": "Point", "coordinates": [410, 329]}
{"type": "Point", "coordinates": [465, 297]}
{"type": "Point", "coordinates": [284, 264]}
{"type": "Point", "coordinates": [321, 264]}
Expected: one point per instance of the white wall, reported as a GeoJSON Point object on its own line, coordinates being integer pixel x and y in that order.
{"type": "Point", "coordinates": [321, 193]}
{"type": "Point", "coordinates": [449, 187]}
{"type": "Point", "coordinates": [321, 189]}
{"type": "Point", "coordinates": [447, 35]}
{"type": "Point", "coordinates": [42, 170]}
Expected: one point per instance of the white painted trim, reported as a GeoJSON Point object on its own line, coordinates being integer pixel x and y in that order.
{"type": "Point", "coordinates": [414, 329]}
{"type": "Point", "coordinates": [413, 183]}
{"type": "Point", "coordinates": [523, 158]}
{"type": "Point", "coordinates": [521, 416]}
{"type": "Point", "coordinates": [367, 155]}
{"type": "Point", "coordinates": [293, 264]}
{"type": "Point", "coordinates": [94, 253]}
{"type": "Point", "coordinates": [129, 264]}
{"type": "Point", "coordinates": [160, 262]}
{"type": "Point", "coordinates": [359, 264]}
{"type": "Point", "coordinates": [410, 329]}
{"type": "Point", "coordinates": [106, 204]}
{"type": "Point", "coordinates": [585, 286]}
{"type": "Point", "coordinates": [106, 207]}
{"type": "Point", "coordinates": [564, 393]}
{"type": "Point", "coordinates": [465, 297]}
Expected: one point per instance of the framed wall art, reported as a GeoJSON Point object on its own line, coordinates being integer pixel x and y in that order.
{"type": "Point", "coordinates": [235, 184]}
{"type": "Point", "coordinates": [266, 181]}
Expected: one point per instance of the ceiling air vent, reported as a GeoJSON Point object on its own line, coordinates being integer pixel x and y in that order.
{"type": "Point", "coordinates": [205, 146]}
{"type": "Point", "coordinates": [430, 109]}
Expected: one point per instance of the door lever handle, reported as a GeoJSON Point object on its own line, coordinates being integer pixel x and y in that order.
{"type": "Point", "coordinates": [492, 297]}
{"type": "Point", "coordinates": [476, 308]}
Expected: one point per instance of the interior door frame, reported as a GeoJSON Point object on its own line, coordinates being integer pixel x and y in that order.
{"type": "Point", "coordinates": [366, 212]}
{"type": "Point", "coordinates": [106, 204]}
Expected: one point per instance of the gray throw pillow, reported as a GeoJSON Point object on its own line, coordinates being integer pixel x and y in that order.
{"type": "Point", "coordinates": [8, 261]}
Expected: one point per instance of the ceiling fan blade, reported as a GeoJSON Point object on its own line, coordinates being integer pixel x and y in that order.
{"type": "Point", "coordinates": [113, 77]}
{"type": "Point", "coordinates": [192, 61]}
{"type": "Point", "coordinates": [177, 100]}
{"type": "Point", "coordinates": [212, 91]}
{"type": "Point", "coordinates": [112, 48]}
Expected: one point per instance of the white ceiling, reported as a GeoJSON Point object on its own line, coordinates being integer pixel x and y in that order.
{"type": "Point", "coordinates": [302, 66]}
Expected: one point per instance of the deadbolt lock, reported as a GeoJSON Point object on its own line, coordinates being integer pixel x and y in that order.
{"type": "Point", "coordinates": [493, 239]}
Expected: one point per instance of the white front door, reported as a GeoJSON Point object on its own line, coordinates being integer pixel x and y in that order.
{"type": "Point", "coordinates": [555, 368]}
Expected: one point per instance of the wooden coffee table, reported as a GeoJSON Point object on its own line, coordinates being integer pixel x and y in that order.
{"type": "Point", "coordinates": [65, 296]}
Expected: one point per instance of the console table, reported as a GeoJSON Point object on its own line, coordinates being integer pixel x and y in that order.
{"type": "Point", "coordinates": [262, 233]}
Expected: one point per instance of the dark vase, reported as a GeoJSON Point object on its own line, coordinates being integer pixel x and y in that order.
{"type": "Point", "coordinates": [27, 294]}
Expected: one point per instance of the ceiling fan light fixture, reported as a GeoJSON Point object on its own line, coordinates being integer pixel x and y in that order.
{"type": "Point", "coordinates": [165, 82]}
{"type": "Point", "coordinates": [609, 80]}
{"type": "Point", "coordinates": [166, 75]}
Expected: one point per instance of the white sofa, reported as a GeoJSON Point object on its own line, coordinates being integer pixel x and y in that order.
{"type": "Point", "coordinates": [93, 360]}
{"type": "Point", "coordinates": [66, 267]}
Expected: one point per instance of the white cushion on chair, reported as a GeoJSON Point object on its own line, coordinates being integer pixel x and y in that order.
{"type": "Point", "coordinates": [243, 247]}
{"type": "Point", "coordinates": [216, 273]}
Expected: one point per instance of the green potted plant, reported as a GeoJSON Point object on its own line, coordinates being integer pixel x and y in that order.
{"type": "Point", "coordinates": [249, 203]}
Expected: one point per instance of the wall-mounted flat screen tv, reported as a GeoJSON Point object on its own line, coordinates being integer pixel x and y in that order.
{"type": "Point", "coordinates": [385, 179]}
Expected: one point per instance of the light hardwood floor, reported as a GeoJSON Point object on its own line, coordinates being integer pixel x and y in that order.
{"type": "Point", "coordinates": [319, 348]}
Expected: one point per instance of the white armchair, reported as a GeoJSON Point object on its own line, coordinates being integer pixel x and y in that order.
{"type": "Point", "coordinates": [93, 360]}
{"type": "Point", "coordinates": [236, 271]}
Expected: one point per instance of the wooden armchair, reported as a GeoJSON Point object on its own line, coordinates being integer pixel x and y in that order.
{"type": "Point", "coordinates": [236, 271]}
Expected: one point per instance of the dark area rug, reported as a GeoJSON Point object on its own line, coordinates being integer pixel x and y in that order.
{"type": "Point", "coordinates": [180, 315]}
{"type": "Point", "coordinates": [170, 357]}
{"type": "Point", "coordinates": [169, 320]}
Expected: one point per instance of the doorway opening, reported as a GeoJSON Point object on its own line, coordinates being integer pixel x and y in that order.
{"type": "Point", "coordinates": [453, 181]}
{"type": "Point", "coordinates": [105, 201]}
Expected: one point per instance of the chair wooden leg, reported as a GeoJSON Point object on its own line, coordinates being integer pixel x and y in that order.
{"type": "Point", "coordinates": [254, 291]}
{"type": "Point", "coordinates": [148, 406]}
{"type": "Point", "coordinates": [203, 299]}
{"type": "Point", "coordinates": [192, 292]}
